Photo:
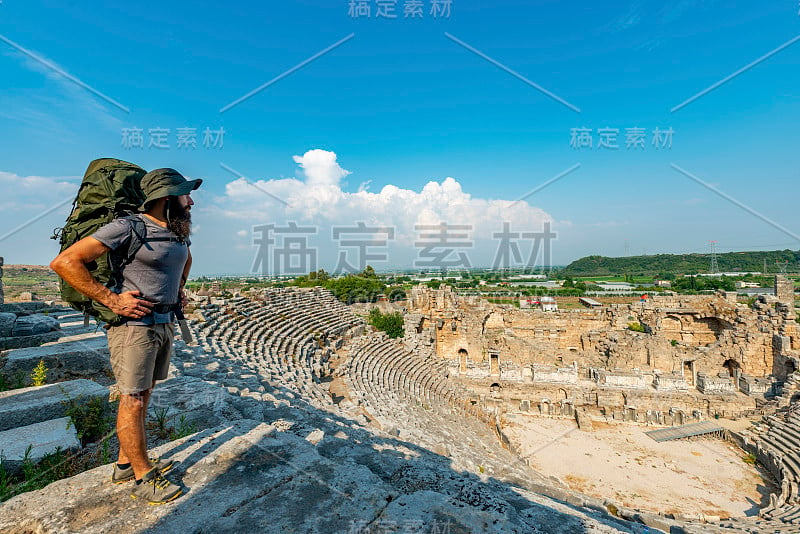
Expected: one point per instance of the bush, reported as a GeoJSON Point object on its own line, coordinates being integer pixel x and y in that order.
{"type": "Point", "coordinates": [391, 323]}
{"type": "Point", "coordinates": [635, 327]}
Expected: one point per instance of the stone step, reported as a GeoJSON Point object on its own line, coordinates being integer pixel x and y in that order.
{"type": "Point", "coordinates": [86, 355]}
{"type": "Point", "coordinates": [35, 330]}
{"type": "Point", "coordinates": [20, 342]}
{"type": "Point", "coordinates": [22, 407]}
{"type": "Point", "coordinates": [44, 437]}
{"type": "Point", "coordinates": [250, 476]}
{"type": "Point", "coordinates": [78, 334]}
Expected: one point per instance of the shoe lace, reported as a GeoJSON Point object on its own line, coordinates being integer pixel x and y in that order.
{"type": "Point", "coordinates": [159, 482]}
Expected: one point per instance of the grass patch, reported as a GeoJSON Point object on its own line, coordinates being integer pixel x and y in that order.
{"type": "Point", "coordinates": [14, 382]}
{"type": "Point", "coordinates": [61, 464]}
{"type": "Point", "coordinates": [34, 475]}
{"type": "Point", "coordinates": [92, 418]}
{"type": "Point", "coordinates": [171, 428]}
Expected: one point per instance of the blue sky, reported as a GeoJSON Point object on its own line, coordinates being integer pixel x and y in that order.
{"type": "Point", "coordinates": [400, 104]}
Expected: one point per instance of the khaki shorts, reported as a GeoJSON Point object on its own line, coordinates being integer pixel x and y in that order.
{"type": "Point", "coordinates": [140, 355]}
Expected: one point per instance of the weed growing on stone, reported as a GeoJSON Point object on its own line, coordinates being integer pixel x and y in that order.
{"type": "Point", "coordinates": [39, 374]}
{"type": "Point", "coordinates": [57, 465]}
{"type": "Point", "coordinates": [19, 379]}
{"type": "Point", "coordinates": [5, 481]}
{"type": "Point", "coordinates": [105, 455]}
{"type": "Point", "coordinates": [91, 418]}
{"type": "Point", "coordinates": [161, 422]}
{"type": "Point", "coordinates": [34, 475]}
{"type": "Point", "coordinates": [182, 429]}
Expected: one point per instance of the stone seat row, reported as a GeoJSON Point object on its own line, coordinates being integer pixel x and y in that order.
{"type": "Point", "coordinates": [385, 369]}
{"type": "Point", "coordinates": [276, 336]}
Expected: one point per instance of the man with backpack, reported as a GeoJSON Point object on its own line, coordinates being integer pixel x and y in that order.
{"type": "Point", "coordinates": [142, 303]}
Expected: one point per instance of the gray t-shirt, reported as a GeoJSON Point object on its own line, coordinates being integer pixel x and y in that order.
{"type": "Point", "coordinates": [156, 269]}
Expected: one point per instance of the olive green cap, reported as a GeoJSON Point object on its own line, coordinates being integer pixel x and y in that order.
{"type": "Point", "coordinates": [166, 182]}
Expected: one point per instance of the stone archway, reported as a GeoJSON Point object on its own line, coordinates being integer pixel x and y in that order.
{"type": "Point", "coordinates": [463, 356]}
{"type": "Point", "coordinates": [494, 363]}
{"type": "Point", "coordinates": [732, 367]}
{"type": "Point", "coordinates": [688, 372]}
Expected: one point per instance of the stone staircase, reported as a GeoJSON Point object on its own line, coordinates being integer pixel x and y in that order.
{"type": "Point", "coordinates": [37, 416]}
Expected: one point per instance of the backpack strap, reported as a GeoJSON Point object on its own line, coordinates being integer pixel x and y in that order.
{"type": "Point", "coordinates": [138, 238]}
{"type": "Point", "coordinates": [119, 259]}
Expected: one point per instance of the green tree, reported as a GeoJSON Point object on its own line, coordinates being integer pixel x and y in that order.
{"type": "Point", "coordinates": [391, 323]}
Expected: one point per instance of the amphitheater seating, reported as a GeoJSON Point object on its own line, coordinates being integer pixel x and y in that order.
{"type": "Point", "coordinates": [411, 394]}
{"type": "Point", "coordinates": [280, 337]}
{"type": "Point", "coordinates": [780, 443]}
{"type": "Point", "coordinates": [285, 337]}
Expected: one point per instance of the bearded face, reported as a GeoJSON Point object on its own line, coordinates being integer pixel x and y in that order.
{"type": "Point", "coordinates": [179, 218]}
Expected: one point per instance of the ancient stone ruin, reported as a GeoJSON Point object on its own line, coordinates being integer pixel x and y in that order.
{"type": "Point", "coordinates": [310, 421]}
{"type": "Point", "coordinates": [698, 357]}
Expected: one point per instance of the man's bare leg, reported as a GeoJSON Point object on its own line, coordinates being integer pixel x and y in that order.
{"type": "Point", "coordinates": [130, 432]}
{"type": "Point", "coordinates": [145, 397]}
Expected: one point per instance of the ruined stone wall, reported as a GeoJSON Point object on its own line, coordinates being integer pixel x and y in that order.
{"type": "Point", "coordinates": [685, 335]}
{"type": "Point", "coordinates": [784, 289]}
{"type": "Point", "coordinates": [618, 403]}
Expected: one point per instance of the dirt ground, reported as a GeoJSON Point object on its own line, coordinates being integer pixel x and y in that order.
{"type": "Point", "coordinates": [702, 476]}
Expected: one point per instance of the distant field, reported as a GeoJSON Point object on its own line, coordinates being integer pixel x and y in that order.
{"type": "Point", "coordinates": [634, 280]}
{"type": "Point", "coordinates": [37, 279]}
{"type": "Point", "coordinates": [570, 303]}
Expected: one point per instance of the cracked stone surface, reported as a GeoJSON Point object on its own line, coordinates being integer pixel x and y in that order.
{"type": "Point", "coordinates": [249, 476]}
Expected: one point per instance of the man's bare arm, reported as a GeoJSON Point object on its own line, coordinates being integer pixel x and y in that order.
{"type": "Point", "coordinates": [71, 266]}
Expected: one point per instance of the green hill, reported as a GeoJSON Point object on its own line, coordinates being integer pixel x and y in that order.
{"type": "Point", "coordinates": [682, 263]}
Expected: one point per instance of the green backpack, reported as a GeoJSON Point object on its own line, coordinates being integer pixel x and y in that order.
{"type": "Point", "coordinates": [110, 189]}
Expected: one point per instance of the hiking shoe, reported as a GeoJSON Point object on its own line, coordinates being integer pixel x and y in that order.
{"type": "Point", "coordinates": [155, 489]}
{"type": "Point", "coordinates": [124, 475]}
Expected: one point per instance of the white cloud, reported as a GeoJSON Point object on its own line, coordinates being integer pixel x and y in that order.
{"type": "Point", "coordinates": [25, 193]}
{"type": "Point", "coordinates": [223, 241]}
{"type": "Point", "coordinates": [320, 199]}
{"type": "Point", "coordinates": [26, 219]}
{"type": "Point", "coordinates": [317, 198]}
